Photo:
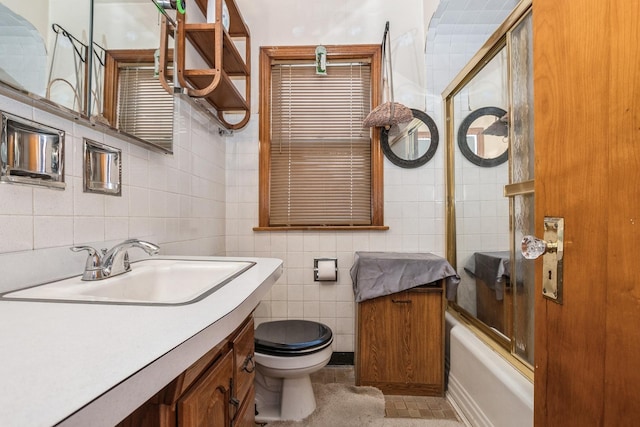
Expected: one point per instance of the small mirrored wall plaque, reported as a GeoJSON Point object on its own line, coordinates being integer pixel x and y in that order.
{"type": "Point", "coordinates": [31, 153]}
{"type": "Point", "coordinates": [102, 168]}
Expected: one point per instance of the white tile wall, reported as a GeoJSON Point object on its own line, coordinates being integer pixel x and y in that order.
{"type": "Point", "coordinates": [177, 201]}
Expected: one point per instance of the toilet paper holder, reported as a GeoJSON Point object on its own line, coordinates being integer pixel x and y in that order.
{"type": "Point", "coordinates": [325, 269]}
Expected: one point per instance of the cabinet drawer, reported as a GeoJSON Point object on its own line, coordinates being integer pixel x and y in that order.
{"type": "Point", "coordinates": [244, 363]}
{"type": "Point", "coordinates": [206, 404]}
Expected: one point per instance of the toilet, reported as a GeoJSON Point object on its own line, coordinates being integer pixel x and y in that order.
{"type": "Point", "coordinates": [286, 353]}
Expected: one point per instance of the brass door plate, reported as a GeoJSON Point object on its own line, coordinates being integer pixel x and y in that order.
{"type": "Point", "coordinates": [552, 259]}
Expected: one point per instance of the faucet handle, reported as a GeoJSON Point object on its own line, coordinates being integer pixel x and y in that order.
{"type": "Point", "coordinates": [92, 267]}
{"type": "Point", "coordinates": [92, 251]}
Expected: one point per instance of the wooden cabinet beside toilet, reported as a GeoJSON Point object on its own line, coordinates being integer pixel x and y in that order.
{"type": "Point", "coordinates": [403, 334]}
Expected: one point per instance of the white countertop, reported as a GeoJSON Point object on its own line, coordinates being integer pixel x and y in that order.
{"type": "Point", "coordinates": [78, 364]}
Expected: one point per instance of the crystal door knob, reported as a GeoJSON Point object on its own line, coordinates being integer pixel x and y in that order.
{"type": "Point", "coordinates": [532, 247]}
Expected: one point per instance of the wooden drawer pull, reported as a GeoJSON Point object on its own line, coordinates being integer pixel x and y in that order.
{"type": "Point", "coordinates": [401, 301]}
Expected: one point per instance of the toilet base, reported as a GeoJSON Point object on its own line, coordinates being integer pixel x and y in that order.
{"type": "Point", "coordinates": [296, 402]}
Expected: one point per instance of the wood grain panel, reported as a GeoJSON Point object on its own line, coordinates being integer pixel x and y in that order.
{"type": "Point", "coordinates": [403, 337]}
{"type": "Point", "coordinates": [622, 376]}
{"type": "Point", "coordinates": [246, 415]}
{"type": "Point", "coordinates": [206, 404]}
{"type": "Point", "coordinates": [243, 361]}
{"type": "Point", "coordinates": [571, 74]}
{"type": "Point", "coordinates": [170, 394]}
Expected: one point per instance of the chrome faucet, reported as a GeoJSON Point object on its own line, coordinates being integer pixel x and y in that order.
{"type": "Point", "coordinates": [109, 263]}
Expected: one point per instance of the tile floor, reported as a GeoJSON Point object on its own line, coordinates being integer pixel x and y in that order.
{"type": "Point", "coordinates": [427, 407]}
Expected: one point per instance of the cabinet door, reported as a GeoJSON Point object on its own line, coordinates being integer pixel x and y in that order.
{"type": "Point", "coordinates": [247, 415]}
{"type": "Point", "coordinates": [206, 403]}
{"type": "Point", "coordinates": [400, 342]}
{"type": "Point", "coordinates": [244, 363]}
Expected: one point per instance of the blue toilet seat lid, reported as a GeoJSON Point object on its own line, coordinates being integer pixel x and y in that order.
{"type": "Point", "coordinates": [291, 337]}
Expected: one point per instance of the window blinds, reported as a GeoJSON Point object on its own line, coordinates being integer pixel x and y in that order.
{"type": "Point", "coordinates": [144, 108]}
{"type": "Point", "coordinates": [320, 152]}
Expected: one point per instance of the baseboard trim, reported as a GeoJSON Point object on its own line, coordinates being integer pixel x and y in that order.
{"type": "Point", "coordinates": [458, 410]}
{"type": "Point", "coordinates": [467, 406]}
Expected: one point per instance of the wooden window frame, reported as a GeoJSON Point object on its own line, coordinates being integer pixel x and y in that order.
{"type": "Point", "coordinates": [114, 59]}
{"type": "Point", "coordinates": [336, 52]}
{"type": "Point", "coordinates": [111, 73]}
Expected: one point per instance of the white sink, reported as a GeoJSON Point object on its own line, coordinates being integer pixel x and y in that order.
{"type": "Point", "coordinates": [150, 282]}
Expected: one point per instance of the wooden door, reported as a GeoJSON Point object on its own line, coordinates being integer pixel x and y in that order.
{"type": "Point", "coordinates": [587, 170]}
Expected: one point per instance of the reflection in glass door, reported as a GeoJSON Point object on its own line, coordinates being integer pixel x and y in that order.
{"type": "Point", "coordinates": [520, 188]}
{"type": "Point", "coordinates": [490, 201]}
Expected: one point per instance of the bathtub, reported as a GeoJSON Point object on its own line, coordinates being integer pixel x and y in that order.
{"type": "Point", "coordinates": [484, 388]}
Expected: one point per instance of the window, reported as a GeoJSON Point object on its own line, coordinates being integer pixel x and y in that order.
{"type": "Point", "coordinates": [319, 168]}
{"type": "Point", "coordinates": [135, 101]}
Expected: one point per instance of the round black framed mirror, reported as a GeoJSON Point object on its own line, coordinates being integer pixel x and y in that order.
{"type": "Point", "coordinates": [412, 144]}
{"type": "Point", "coordinates": [483, 137]}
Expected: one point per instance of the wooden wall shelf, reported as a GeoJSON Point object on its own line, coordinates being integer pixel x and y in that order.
{"type": "Point", "coordinates": [217, 48]}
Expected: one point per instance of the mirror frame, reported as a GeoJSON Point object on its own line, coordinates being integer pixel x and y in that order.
{"type": "Point", "coordinates": [490, 49]}
{"type": "Point", "coordinates": [428, 155]}
{"type": "Point", "coordinates": [462, 138]}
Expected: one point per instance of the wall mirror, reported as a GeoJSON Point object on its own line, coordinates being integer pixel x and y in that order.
{"type": "Point", "coordinates": [489, 160]}
{"type": "Point", "coordinates": [45, 50]}
{"type": "Point", "coordinates": [412, 144]}
{"type": "Point", "coordinates": [482, 211]}
{"type": "Point", "coordinates": [66, 46]}
{"type": "Point", "coordinates": [127, 93]}
{"type": "Point", "coordinates": [483, 136]}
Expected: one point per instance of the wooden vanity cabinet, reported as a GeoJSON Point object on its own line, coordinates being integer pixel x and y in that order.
{"type": "Point", "coordinates": [206, 403]}
{"type": "Point", "coordinates": [400, 342]}
{"type": "Point", "coordinates": [216, 391]}
{"type": "Point", "coordinates": [244, 362]}
{"type": "Point", "coordinates": [247, 415]}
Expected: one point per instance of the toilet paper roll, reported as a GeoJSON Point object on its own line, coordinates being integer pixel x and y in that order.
{"type": "Point", "coordinates": [327, 270]}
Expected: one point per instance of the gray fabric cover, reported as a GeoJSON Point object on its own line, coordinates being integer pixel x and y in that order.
{"type": "Point", "coordinates": [376, 274]}
{"type": "Point", "coordinates": [492, 268]}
